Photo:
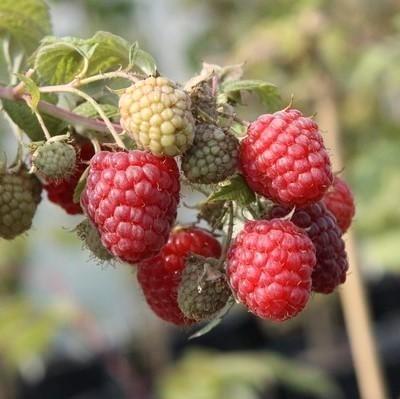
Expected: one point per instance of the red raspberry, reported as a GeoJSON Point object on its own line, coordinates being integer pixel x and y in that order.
{"type": "Point", "coordinates": [283, 158]}
{"type": "Point", "coordinates": [132, 198]}
{"type": "Point", "coordinates": [61, 192]}
{"type": "Point", "coordinates": [160, 276]}
{"type": "Point", "coordinates": [340, 201]}
{"type": "Point", "coordinates": [321, 227]}
{"type": "Point", "coordinates": [269, 268]}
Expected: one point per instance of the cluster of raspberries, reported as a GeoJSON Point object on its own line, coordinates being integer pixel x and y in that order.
{"type": "Point", "coordinates": [131, 198]}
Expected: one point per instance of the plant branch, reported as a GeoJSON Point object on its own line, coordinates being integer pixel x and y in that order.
{"type": "Point", "coordinates": [229, 233]}
{"type": "Point", "coordinates": [38, 117]}
{"type": "Point", "coordinates": [90, 100]}
{"type": "Point", "coordinates": [8, 93]}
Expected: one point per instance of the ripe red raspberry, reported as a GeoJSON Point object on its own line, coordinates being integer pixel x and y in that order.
{"type": "Point", "coordinates": [340, 201]}
{"type": "Point", "coordinates": [61, 192]}
{"type": "Point", "coordinates": [269, 268]}
{"type": "Point", "coordinates": [132, 198]}
{"type": "Point", "coordinates": [284, 159]}
{"type": "Point", "coordinates": [161, 275]}
{"type": "Point", "coordinates": [320, 225]}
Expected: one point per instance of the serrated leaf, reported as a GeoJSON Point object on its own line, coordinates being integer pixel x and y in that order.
{"type": "Point", "coordinates": [86, 109]}
{"type": "Point", "coordinates": [216, 321]}
{"type": "Point", "coordinates": [112, 52]}
{"type": "Point", "coordinates": [132, 53]}
{"type": "Point", "coordinates": [32, 89]}
{"type": "Point", "coordinates": [22, 116]}
{"type": "Point", "coordinates": [267, 92]}
{"type": "Point", "coordinates": [144, 61]}
{"type": "Point", "coordinates": [26, 22]}
{"type": "Point", "coordinates": [80, 186]}
{"type": "Point", "coordinates": [235, 189]}
{"type": "Point", "coordinates": [59, 61]}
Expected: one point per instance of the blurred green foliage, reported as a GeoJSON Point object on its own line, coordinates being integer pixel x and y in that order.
{"type": "Point", "coordinates": [298, 45]}
{"type": "Point", "coordinates": [204, 374]}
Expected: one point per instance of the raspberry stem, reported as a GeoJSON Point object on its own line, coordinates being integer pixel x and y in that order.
{"type": "Point", "coordinates": [229, 233]}
{"type": "Point", "coordinates": [96, 145]}
{"type": "Point", "coordinates": [90, 100]}
{"type": "Point", "coordinates": [9, 93]}
{"type": "Point", "coordinates": [39, 118]}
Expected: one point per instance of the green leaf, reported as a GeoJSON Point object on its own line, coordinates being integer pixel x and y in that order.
{"type": "Point", "coordinates": [22, 116]}
{"type": "Point", "coordinates": [144, 61]}
{"type": "Point", "coordinates": [86, 109]}
{"type": "Point", "coordinates": [235, 189]}
{"type": "Point", "coordinates": [26, 22]}
{"type": "Point", "coordinates": [32, 89]}
{"type": "Point", "coordinates": [112, 52]}
{"type": "Point", "coordinates": [59, 61]}
{"type": "Point", "coordinates": [80, 186]}
{"type": "Point", "coordinates": [268, 93]}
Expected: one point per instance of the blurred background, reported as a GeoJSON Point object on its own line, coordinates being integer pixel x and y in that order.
{"type": "Point", "coordinates": [70, 328]}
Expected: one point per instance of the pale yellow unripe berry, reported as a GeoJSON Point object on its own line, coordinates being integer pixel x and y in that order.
{"type": "Point", "coordinates": [156, 113]}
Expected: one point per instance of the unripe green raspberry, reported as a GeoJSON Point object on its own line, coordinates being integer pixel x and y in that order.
{"type": "Point", "coordinates": [20, 194]}
{"type": "Point", "coordinates": [203, 290]}
{"type": "Point", "coordinates": [213, 156]}
{"type": "Point", "coordinates": [54, 161]}
{"type": "Point", "coordinates": [91, 239]}
{"type": "Point", "coordinates": [157, 115]}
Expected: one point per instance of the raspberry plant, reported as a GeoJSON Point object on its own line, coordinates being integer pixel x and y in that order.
{"type": "Point", "coordinates": [122, 159]}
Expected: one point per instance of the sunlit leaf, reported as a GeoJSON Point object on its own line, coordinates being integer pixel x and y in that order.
{"type": "Point", "coordinates": [267, 92]}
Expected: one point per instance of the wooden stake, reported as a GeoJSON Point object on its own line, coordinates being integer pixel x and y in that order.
{"type": "Point", "coordinates": [352, 294]}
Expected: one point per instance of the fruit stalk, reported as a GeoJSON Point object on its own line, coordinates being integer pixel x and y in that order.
{"type": "Point", "coordinates": [90, 100]}
{"type": "Point", "coordinates": [7, 93]}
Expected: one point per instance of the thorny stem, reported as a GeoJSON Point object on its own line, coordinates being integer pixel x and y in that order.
{"type": "Point", "coordinates": [229, 233]}
{"type": "Point", "coordinates": [39, 118]}
{"type": "Point", "coordinates": [8, 93]}
{"type": "Point", "coordinates": [90, 100]}
{"type": "Point", "coordinates": [96, 145]}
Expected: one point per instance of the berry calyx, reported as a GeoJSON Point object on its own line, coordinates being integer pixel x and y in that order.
{"type": "Point", "coordinates": [284, 159]}
{"type": "Point", "coordinates": [203, 289]}
{"type": "Point", "coordinates": [269, 268]}
{"type": "Point", "coordinates": [340, 201]}
{"type": "Point", "coordinates": [213, 156]}
{"type": "Point", "coordinates": [161, 275]}
{"type": "Point", "coordinates": [157, 115]}
{"type": "Point", "coordinates": [132, 198]}
{"type": "Point", "coordinates": [92, 241]}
